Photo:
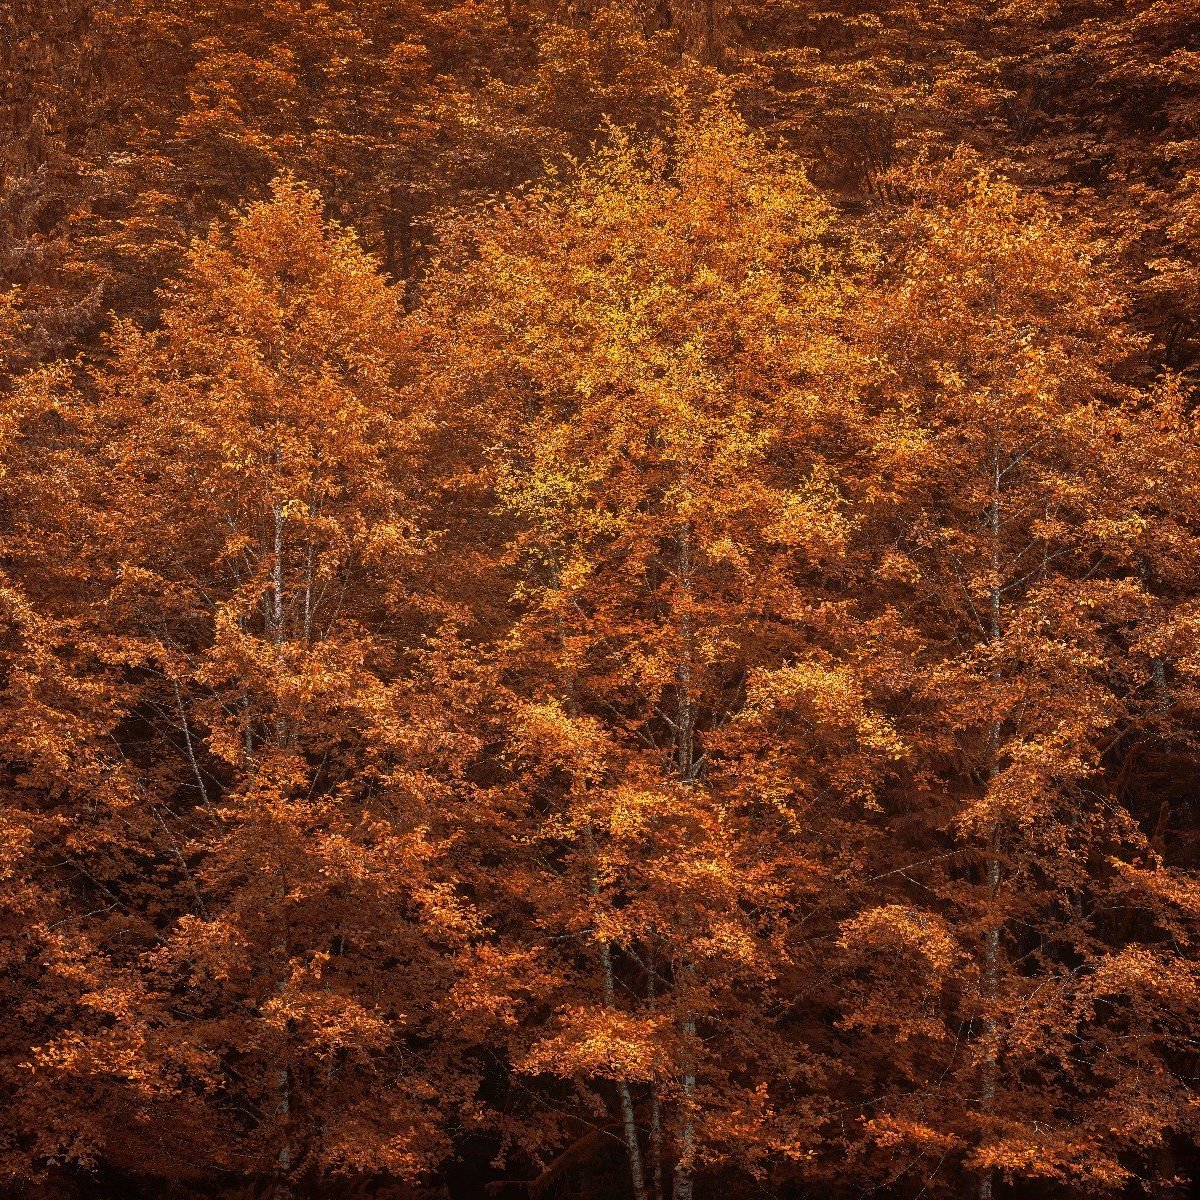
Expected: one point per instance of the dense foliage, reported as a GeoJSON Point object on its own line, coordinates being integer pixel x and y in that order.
{"type": "Point", "coordinates": [599, 600]}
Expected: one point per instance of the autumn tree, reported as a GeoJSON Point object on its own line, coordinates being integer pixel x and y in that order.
{"type": "Point", "coordinates": [669, 419]}
{"type": "Point", "coordinates": [262, 532]}
{"type": "Point", "coordinates": [1051, 1027]}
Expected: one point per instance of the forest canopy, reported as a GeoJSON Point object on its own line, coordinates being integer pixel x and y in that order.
{"type": "Point", "coordinates": [599, 601]}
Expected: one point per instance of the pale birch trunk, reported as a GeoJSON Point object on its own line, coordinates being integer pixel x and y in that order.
{"type": "Point", "coordinates": [629, 1130]}
{"type": "Point", "coordinates": [656, 1128]}
{"type": "Point", "coordinates": [989, 983]}
{"type": "Point", "coordinates": [687, 766]}
{"type": "Point", "coordinates": [282, 1189]}
{"type": "Point", "coordinates": [684, 1184]}
{"type": "Point", "coordinates": [637, 1176]}
{"type": "Point", "coordinates": [633, 1148]}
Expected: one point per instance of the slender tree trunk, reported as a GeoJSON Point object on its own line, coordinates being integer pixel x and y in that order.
{"type": "Point", "coordinates": [277, 577]}
{"type": "Point", "coordinates": [687, 765]}
{"type": "Point", "coordinates": [656, 1146]}
{"type": "Point", "coordinates": [685, 717]}
{"type": "Point", "coordinates": [282, 1189]}
{"type": "Point", "coordinates": [280, 1081]}
{"type": "Point", "coordinates": [310, 558]}
{"type": "Point", "coordinates": [684, 1183]}
{"type": "Point", "coordinates": [633, 1150]}
{"type": "Point", "coordinates": [989, 984]}
{"type": "Point", "coordinates": [277, 608]}
{"type": "Point", "coordinates": [282, 1086]}
{"type": "Point", "coordinates": [991, 958]}
{"type": "Point", "coordinates": [637, 1176]}
{"type": "Point", "coordinates": [656, 1130]}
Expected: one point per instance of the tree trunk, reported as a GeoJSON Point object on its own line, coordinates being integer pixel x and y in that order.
{"type": "Point", "coordinates": [656, 1131]}
{"type": "Point", "coordinates": [687, 765]}
{"type": "Point", "coordinates": [989, 982]}
{"type": "Point", "coordinates": [684, 1183]}
{"type": "Point", "coordinates": [633, 1150]}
